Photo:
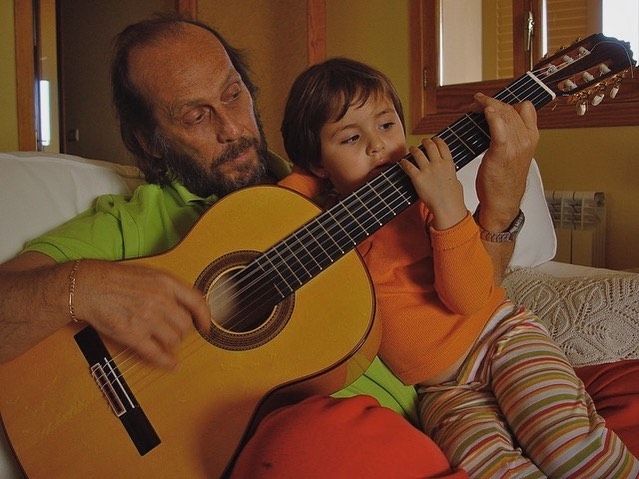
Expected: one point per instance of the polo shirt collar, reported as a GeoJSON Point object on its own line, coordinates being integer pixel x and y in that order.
{"type": "Point", "coordinates": [191, 198]}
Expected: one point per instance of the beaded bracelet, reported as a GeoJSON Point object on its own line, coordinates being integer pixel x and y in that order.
{"type": "Point", "coordinates": [74, 270]}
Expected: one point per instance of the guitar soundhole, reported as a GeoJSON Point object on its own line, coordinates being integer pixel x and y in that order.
{"type": "Point", "coordinates": [246, 309]}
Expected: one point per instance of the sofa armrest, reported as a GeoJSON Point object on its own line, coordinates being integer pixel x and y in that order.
{"type": "Point", "coordinates": [592, 313]}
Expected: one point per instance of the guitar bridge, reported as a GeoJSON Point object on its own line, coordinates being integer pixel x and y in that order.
{"type": "Point", "coordinates": [115, 389]}
{"type": "Point", "coordinates": [106, 386]}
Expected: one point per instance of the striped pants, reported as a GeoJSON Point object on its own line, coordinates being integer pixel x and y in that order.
{"type": "Point", "coordinates": [517, 409]}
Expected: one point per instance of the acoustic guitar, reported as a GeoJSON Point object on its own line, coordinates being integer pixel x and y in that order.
{"type": "Point", "coordinates": [293, 308]}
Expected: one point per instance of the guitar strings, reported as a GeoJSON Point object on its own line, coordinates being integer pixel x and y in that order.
{"type": "Point", "coordinates": [330, 233]}
{"type": "Point", "coordinates": [260, 279]}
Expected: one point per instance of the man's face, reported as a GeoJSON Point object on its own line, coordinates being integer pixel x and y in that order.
{"type": "Point", "coordinates": [206, 126]}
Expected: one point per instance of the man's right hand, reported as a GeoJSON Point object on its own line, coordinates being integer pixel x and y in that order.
{"type": "Point", "coordinates": [144, 309]}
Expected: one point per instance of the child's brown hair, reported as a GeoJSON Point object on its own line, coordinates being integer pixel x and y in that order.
{"type": "Point", "coordinates": [323, 93]}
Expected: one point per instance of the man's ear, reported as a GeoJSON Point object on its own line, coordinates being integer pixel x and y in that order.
{"type": "Point", "coordinates": [318, 171]}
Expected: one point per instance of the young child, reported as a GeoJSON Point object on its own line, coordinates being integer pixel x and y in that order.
{"type": "Point", "coordinates": [496, 393]}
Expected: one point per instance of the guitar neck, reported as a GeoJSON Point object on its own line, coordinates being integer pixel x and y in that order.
{"type": "Point", "coordinates": [322, 241]}
{"type": "Point", "coordinates": [469, 136]}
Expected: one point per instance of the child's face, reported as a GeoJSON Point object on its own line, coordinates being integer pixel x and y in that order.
{"type": "Point", "coordinates": [360, 145]}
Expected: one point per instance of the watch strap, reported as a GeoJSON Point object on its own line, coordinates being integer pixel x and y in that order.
{"type": "Point", "coordinates": [510, 234]}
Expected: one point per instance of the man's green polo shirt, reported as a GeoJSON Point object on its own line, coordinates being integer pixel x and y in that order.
{"type": "Point", "coordinates": [117, 227]}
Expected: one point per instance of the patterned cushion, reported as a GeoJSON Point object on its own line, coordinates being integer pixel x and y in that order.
{"type": "Point", "coordinates": [594, 318]}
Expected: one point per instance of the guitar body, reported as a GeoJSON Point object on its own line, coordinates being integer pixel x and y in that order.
{"type": "Point", "coordinates": [61, 425]}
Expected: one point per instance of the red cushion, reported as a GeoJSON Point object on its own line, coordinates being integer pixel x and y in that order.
{"type": "Point", "coordinates": [340, 438]}
{"type": "Point", "coordinates": [614, 388]}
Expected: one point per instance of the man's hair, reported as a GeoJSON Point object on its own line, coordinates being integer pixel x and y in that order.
{"type": "Point", "coordinates": [135, 115]}
{"type": "Point", "coordinates": [323, 93]}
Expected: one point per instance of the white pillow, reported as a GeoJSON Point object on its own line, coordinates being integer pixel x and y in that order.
{"type": "Point", "coordinates": [39, 191]}
{"type": "Point", "coordinates": [536, 242]}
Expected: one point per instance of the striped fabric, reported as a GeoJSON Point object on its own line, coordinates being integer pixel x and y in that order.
{"type": "Point", "coordinates": [517, 410]}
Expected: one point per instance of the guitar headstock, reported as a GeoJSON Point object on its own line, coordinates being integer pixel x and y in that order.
{"type": "Point", "coordinates": [587, 70]}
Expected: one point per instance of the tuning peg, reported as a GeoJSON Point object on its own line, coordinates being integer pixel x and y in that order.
{"type": "Point", "coordinates": [603, 69]}
{"type": "Point", "coordinates": [567, 85]}
{"type": "Point", "coordinates": [583, 51]}
{"type": "Point", "coordinates": [568, 59]}
{"type": "Point", "coordinates": [587, 76]}
{"type": "Point", "coordinates": [582, 106]}
{"type": "Point", "coordinates": [551, 69]}
{"type": "Point", "coordinates": [597, 99]}
{"type": "Point", "coordinates": [614, 90]}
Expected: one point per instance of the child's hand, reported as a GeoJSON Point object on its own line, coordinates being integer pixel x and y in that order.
{"type": "Point", "coordinates": [436, 183]}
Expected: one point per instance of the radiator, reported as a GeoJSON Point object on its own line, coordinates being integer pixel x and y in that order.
{"type": "Point", "coordinates": [579, 218]}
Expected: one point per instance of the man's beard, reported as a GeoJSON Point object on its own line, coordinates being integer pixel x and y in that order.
{"type": "Point", "coordinates": [204, 180]}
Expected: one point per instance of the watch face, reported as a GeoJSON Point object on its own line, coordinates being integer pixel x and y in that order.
{"type": "Point", "coordinates": [517, 223]}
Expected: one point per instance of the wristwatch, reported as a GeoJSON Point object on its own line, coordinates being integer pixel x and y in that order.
{"type": "Point", "coordinates": [510, 234]}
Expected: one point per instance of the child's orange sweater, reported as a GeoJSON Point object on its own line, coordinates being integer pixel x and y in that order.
{"type": "Point", "coordinates": [435, 290]}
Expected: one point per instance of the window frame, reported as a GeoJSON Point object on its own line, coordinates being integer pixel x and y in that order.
{"type": "Point", "coordinates": [434, 106]}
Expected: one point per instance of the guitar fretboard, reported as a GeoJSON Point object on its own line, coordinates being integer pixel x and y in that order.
{"type": "Point", "coordinates": [315, 246]}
